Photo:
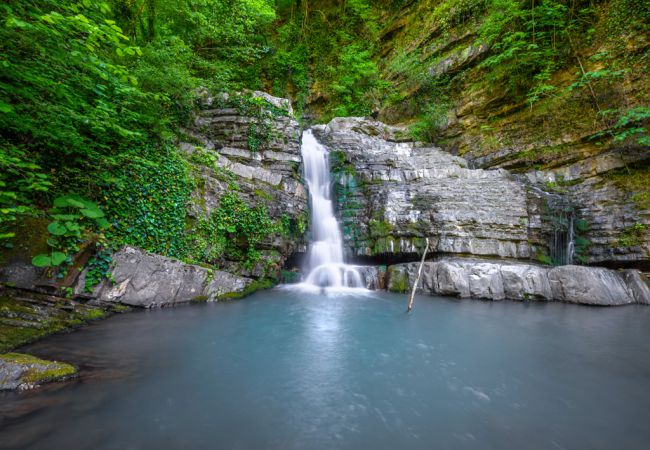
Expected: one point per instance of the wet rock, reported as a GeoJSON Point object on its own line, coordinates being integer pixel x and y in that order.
{"type": "Point", "coordinates": [224, 283]}
{"type": "Point", "coordinates": [374, 276]}
{"type": "Point", "coordinates": [19, 371]}
{"type": "Point", "coordinates": [21, 274]}
{"type": "Point", "coordinates": [490, 280]}
{"type": "Point", "coordinates": [638, 285]}
{"type": "Point", "coordinates": [390, 195]}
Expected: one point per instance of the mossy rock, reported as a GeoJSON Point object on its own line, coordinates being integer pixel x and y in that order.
{"type": "Point", "coordinates": [30, 240]}
{"type": "Point", "coordinates": [22, 322]}
{"type": "Point", "coordinates": [264, 283]}
{"type": "Point", "coordinates": [398, 281]}
{"type": "Point", "coordinates": [21, 371]}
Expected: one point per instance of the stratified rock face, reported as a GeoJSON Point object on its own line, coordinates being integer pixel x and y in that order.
{"type": "Point", "coordinates": [470, 278]}
{"type": "Point", "coordinates": [147, 280]}
{"type": "Point", "coordinates": [249, 144]}
{"type": "Point", "coordinates": [391, 194]}
{"type": "Point", "coordinates": [611, 213]}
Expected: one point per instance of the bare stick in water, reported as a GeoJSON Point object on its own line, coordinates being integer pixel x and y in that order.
{"type": "Point", "coordinates": [417, 279]}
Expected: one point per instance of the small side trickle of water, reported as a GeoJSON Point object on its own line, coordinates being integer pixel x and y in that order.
{"type": "Point", "coordinates": [561, 216]}
{"type": "Point", "coordinates": [326, 268]}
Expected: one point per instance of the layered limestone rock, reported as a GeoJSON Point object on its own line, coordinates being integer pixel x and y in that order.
{"type": "Point", "coordinates": [582, 140]}
{"type": "Point", "coordinates": [480, 279]}
{"type": "Point", "coordinates": [618, 222]}
{"type": "Point", "coordinates": [392, 193]}
{"type": "Point", "coordinates": [250, 143]}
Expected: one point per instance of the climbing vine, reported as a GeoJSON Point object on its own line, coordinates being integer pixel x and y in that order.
{"type": "Point", "coordinates": [234, 231]}
{"type": "Point", "coordinates": [146, 201]}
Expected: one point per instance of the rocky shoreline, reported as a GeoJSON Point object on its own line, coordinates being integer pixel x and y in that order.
{"type": "Point", "coordinates": [506, 280]}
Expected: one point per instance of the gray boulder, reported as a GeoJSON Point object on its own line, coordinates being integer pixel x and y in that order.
{"type": "Point", "coordinates": [589, 285]}
{"type": "Point", "coordinates": [20, 371]}
{"type": "Point", "coordinates": [147, 280]}
{"type": "Point", "coordinates": [489, 280]}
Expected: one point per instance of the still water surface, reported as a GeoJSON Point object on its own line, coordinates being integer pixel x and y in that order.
{"type": "Point", "coordinates": [282, 370]}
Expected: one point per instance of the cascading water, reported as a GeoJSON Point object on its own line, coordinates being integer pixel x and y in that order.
{"type": "Point", "coordinates": [326, 268]}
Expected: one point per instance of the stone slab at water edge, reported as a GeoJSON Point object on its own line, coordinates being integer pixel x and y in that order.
{"type": "Point", "coordinates": [148, 280]}
{"type": "Point", "coordinates": [18, 371]}
{"type": "Point", "coordinates": [490, 280]}
{"type": "Point", "coordinates": [140, 279]}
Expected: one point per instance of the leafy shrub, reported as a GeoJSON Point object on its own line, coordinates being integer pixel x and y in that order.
{"type": "Point", "coordinates": [72, 216]}
{"type": "Point", "coordinates": [633, 236]}
{"type": "Point", "coordinates": [21, 182]}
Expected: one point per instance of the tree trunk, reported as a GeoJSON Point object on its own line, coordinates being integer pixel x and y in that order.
{"type": "Point", "coordinates": [417, 279]}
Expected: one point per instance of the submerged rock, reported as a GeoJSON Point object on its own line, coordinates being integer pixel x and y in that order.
{"type": "Point", "coordinates": [20, 371]}
{"type": "Point", "coordinates": [479, 279]}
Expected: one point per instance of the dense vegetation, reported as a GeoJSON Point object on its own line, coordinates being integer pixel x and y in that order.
{"type": "Point", "coordinates": [92, 94]}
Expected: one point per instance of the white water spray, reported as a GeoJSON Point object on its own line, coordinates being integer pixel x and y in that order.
{"type": "Point", "coordinates": [326, 269]}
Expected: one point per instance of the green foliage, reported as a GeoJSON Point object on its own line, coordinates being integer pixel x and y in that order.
{"type": "Point", "coordinates": [21, 182]}
{"type": "Point", "coordinates": [432, 119]}
{"type": "Point", "coordinates": [260, 130]}
{"type": "Point", "coordinates": [233, 232]}
{"type": "Point", "coordinates": [72, 217]}
{"type": "Point", "coordinates": [633, 236]}
{"type": "Point", "coordinates": [630, 125]}
{"type": "Point", "coordinates": [64, 91]}
{"type": "Point", "coordinates": [146, 200]}
{"type": "Point", "coordinates": [379, 228]}
{"type": "Point", "coordinates": [243, 227]}
{"type": "Point", "coordinates": [326, 50]}
{"type": "Point", "coordinates": [98, 268]}
{"type": "Point", "coordinates": [356, 84]}
{"type": "Point", "coordinates": [222, 41]}
{"type": "Point", "coordinates": [529, 41]}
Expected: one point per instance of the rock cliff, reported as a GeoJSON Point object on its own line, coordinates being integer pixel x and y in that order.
{"type": "Point", "coordinates": [249, 144]}
{"type": "Point", "coordinates": [392, 193]}
{"type": "Point", "coordinates": [564, 134]}
{"type": "Point", "coordinates": [244, 147]}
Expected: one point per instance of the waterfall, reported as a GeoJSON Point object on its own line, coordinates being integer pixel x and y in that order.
{"type": "Point", "coordinates": [559, 227]}
{"type": "Point", "coordinates": [561, 216]}
{"type": "Point", "coordinates": [325, 266]}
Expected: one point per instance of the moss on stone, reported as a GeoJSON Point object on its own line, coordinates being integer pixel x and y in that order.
{"type": "Point", "coordinates": [30, 240]}
{"type": "Point", "coordinates": [399, 282]}
{"type": "Point", "coordinates": [635, 182]}
{"type": "Point", "coordinates": [255, 285]}
{"type": "Point", "coordinates": [38, 371]}
{"type": "Point", "coordinates": [25, 321]}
